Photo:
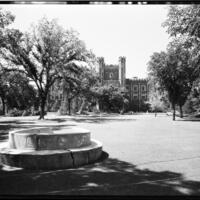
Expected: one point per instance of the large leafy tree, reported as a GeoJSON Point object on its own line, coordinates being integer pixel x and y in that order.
{"type": "Point", "coordinates": [20, 94]}
{"type": "Point", "coordinates": [184, 21]}
{"type": "Point", "coordinates": [78, 86]}
{"type": "Point", "coordinates": [44, 55]}
{"type": "Point", "coordinates": [90, 80]}
{"type": "Point", "coordinates": [175, 72]}
{"type": "Point", "coordinates": [16, 91]}
{"type": "Point", "coordinates": [77, 82]}
{"type": "Point", "coordinates": [185, 66]}
{"type": "Point", "coordinates": [6, 18]}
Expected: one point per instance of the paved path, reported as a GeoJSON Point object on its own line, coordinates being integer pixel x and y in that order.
{"type": "Point", "coordinates": [147, 155]}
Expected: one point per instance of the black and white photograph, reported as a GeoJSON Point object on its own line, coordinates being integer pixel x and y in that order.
{"type": "Point", "coordinates": [99, 99]}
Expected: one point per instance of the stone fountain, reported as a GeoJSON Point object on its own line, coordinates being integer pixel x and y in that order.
{"type": "Point", "coordinates": [43, 148]}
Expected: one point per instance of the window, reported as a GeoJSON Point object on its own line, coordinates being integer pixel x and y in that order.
{"type": "Point", "coordinates": [111, 75]}
{"type": "Point", "coordinates": [135, 97]}
{"type": "Point", "coordinates": [144, 98]}
{"type": "Point", "coordinates": [135, 88]}
{"type": "Point", "coordinates": [143, 88]}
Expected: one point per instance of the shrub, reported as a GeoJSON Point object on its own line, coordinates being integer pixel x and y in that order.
{"type": "Point", "coordinates": [14, 113]}
{"type": "Point", "coordinates": [1, 112]}
{"type": "Point", "coordinates": [26, 113]}
{"type": "Point", "coordinates": [37, 113]}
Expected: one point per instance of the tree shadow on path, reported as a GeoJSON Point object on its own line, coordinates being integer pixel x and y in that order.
{"type": "Point", "coordinates": [109, 176]}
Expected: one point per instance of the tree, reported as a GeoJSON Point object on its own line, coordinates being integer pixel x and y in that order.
{"type": "Point", "coordinates": [186, 67]}
{"type": "Point", "coordinates": [44, 55]}
{"type": "Point", "coordinates": [78, 82]}
{"type": "Point", "coordinates": [158, 101]}
{"type": "Point", "coordinates": [111, 98]}
{"type": "Point", "coordinates": [193, 102]}
{"type": "Point", "coordinates": [16, 91]}
{"type": "Point", "coordinates": [71, 90]}
{"type": "Point", "coordinates": [175, 72]}
{"type": "Point", "coordinates": [6, 18]}
{"type": "Point", "coordinates": [21, 94]}
{"type": "Point", "coordinates": [3, 89]}
{"type": "Point", "coordinates": [184, 21]}
{"type": "Point", "coordinates": [90, 80]}
{"type": "Point", "coordinates": [78, 86]}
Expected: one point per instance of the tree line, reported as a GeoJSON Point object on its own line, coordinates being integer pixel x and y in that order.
{"type": "Point", "coordinates": [174, 74]}
{"type": "Point", "coordinates": [32, 62]}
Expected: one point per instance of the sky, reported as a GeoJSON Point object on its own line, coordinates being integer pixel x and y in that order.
{"type": "Point", "coordinates": [110, 31]}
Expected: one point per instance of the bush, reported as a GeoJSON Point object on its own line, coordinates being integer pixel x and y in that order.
{"type": "Point", "coordinates": [14, 113]}
{"type": "Point", "coordinates": [26, 113]}
{"type": "Point", "coordinates": [1, 112]}
{"type": "Point", "coordinates": [37, 113]}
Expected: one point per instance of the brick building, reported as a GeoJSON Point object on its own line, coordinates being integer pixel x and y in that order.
{"type": "Point", "coordinates": [116, 76]}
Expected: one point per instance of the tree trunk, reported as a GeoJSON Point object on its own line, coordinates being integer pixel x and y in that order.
{"type": "Point", "coordinates": [123, 107]}
{"type": "Point", "coordinates": [174, 112]}
{"type": "Point", "coordinates": [64, 102]}
{"type": "Point", "coordinates": [97, 106]}
{"type": "Point", "coordinates": [82, 106]}
{"type": "Point", "coordinates": [181, 111]}
{"type": "Point", "coordinates": [48, 103]}
{"type": "Point", "coordinates": [4, 105]}
{"type": "Point", "coordinates": [69, 106]}
{"type": "Point", "coordinates": [42, 108]}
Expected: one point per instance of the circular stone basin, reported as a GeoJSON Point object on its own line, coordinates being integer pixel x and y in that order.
{"type": "Point", "coordinates": [46, 139]}
{"type": "Point", "coordinates": [51, 159]}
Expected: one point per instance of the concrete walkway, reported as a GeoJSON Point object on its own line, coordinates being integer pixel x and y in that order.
{"type": "Point", "coordinates": [144, 155]}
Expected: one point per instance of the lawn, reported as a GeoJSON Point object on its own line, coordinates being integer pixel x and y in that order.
{"type": "Point", "coordinates": [143, 155]}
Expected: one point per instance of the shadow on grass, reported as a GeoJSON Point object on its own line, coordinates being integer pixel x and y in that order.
{"type": "Point", "coordinates": [16, 122]}
{"type": "Point", "coordinates": [99, 120]}
{"type": "Point", "coordinates": [59, 120]}
{"type": "Point", "coordinates": [9, 125]}
{"type": "Point", "coordinates": [189, 119]}
{"type": "Point", "coordinates": [89, 119]}
{"type": "Point", "coordinates": [108, 177]}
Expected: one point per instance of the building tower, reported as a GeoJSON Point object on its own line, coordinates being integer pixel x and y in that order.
{"type": "Point", "coordinates": [122, 71]}
{"type": "Point", "coordinates": [101, 64]}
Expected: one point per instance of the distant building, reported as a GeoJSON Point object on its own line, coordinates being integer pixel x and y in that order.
{"type": "Point", "coordinates": [116, 75]}
{"type": "Point", "coordinates": [109, 75]}
{"type": "Point", "coordinates": [112, 74]}
{"type": "Point", "coordinates": [138, 93]}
